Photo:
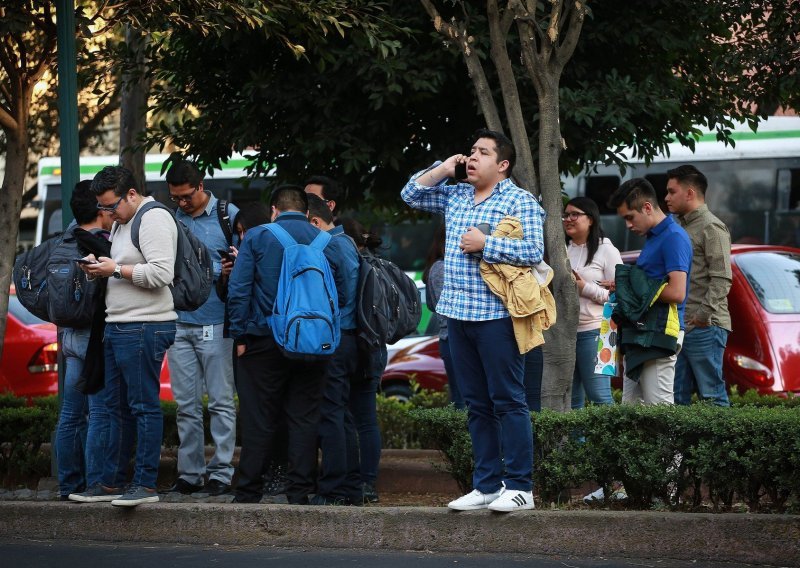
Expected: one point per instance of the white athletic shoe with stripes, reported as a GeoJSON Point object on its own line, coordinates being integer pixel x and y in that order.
{"type": "Point", "coordinates": [512, 500]}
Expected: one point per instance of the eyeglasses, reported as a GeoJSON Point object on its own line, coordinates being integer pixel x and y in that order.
{"type": "Point", "coordinates": [112, 208]}
{"type": "Point", "coordinates": [571, 216]}
{"type": "Point", "coordinates": [187, 198]}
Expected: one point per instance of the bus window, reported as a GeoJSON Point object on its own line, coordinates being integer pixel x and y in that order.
{"type": "Point", "coordinates": [599, 189]}
{"type": "Point", "coordinates": [794, 189]}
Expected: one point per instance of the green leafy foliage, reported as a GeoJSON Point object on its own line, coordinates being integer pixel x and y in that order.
{"type": "Point", "coordinates": [677, 456]}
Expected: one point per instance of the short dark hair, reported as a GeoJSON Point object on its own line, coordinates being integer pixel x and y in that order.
{"type": "Point", "coordinates": [184, 171]}
{"type": "Point", "coordinates": [83, 203]}
{"type": "Point", "coordinates": [330, 187]}
{"type": "Point", "coordinates": [689, 175]}
{"type": "Point", "coordinates": [289, 198]}
{"type": "Point", "coordinates": [251, 214]}
{"type": "Point", "coordinates": [503, 144]}
{"type": "Point", "coordinates": [116, 178]}
{"type": "Point", "coordinates": [634, 193]}
{"type": "Point", "coordinates": [318, 208]}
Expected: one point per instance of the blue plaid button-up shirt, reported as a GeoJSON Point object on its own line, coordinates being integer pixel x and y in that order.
{"type": "Point", "coordinates": [465, 295]}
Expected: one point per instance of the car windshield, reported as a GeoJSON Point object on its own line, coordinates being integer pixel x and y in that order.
{"type": "Point", "coordinates": [18, 311]}
{"type": "Point", "coordinates": [775, 279]}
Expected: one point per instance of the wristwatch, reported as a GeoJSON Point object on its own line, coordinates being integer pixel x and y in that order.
{"type": "Point", "coordinates": [117, 272]}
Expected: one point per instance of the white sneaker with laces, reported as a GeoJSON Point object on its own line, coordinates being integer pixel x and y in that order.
{"type": "Point", "coordinates": [512, 500]}
{"type": "Point", "coordinates": [473, 501]}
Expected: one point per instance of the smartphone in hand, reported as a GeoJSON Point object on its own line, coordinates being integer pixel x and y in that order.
{"type": "Point", "coordinates": [84, 261]}
{"type": "Point", "coordinates": [461, 171]}
{"type": "Point", "coordinates": [226, 255]}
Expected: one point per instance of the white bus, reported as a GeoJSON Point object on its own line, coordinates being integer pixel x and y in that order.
{"type": "Point", "coordinates": [753, 187]}
{"type": "Point", "coordinates": [229, 183]}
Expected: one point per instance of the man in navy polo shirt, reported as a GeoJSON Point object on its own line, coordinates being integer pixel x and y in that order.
{"type": "Point", "coordinates": [667, 253]}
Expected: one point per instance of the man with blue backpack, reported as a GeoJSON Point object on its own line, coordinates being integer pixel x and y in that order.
{"type": "Point", "coordinates": [284, 318]}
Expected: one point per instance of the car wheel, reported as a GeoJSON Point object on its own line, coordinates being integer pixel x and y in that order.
{"type": "Point", "coordinates": [398, 391]}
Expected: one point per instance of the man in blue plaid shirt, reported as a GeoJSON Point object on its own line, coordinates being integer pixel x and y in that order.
{"type": "Point", "coordinates": [485, 354]}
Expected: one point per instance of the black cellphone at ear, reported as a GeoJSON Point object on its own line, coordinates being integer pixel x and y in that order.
{"type": "Point", "coordinates": [461, 171]}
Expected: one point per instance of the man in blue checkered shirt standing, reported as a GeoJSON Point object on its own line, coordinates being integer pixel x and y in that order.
{"type": "Point", "coordinates": [485, 353]}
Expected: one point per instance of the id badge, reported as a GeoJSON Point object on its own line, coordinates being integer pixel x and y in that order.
{"type": "Point", "coordinates": [208, 333]}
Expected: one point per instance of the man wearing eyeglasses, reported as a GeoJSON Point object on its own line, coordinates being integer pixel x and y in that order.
{"type": "Point", "coordinates": [325, 188]}
{"type": "Point", "coordinates": [200, 361]}
{"type": "Point", "coordinates": [140, 327]}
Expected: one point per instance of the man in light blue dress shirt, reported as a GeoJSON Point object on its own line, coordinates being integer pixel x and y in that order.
{"type": "Point", "coordinates": [201, 359]}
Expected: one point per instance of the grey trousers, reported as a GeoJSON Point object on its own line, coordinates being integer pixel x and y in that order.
{"type": "Point", "coordinates": [199, 366]}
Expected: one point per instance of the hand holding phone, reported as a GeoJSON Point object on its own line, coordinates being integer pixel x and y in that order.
{"type": "Point", "coordinates": [84, 261]}
{"type": "Point", "coordinates": [226, 255]}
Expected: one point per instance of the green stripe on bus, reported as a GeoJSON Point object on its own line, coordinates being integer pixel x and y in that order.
{"type": "Point", "coordinates": [151, 167]}
{"type": "Point", "coordinates": [773, 135]}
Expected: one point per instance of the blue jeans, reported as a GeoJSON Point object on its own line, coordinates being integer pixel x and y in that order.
{"type": "Point", "coordinates": [133, 356]}
{"type": "Point", "coordinates": [73, 420]}
{"type": "Point", "coordinates": [452, 380]}
{"type": "Point", "coordinates": [490, 371]}
{"type": "Point", "coordinates": [597, 388]}
{"type": "Point", "coordinates": [534, 366]}
{"type": "Point", "coordinates": [198, 366]}
{"type": "Point", "coordinates": [699, 365]}
{"type": "Point", "coordinates": [363, 406]}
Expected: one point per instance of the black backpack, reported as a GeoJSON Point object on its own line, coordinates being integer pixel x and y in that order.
{"type": "Point", "coordinates": [388, 306]}
{"type": "Point", "coordinates": [194, 273]}
{"type": "Point", "coordinates": [51, 285]}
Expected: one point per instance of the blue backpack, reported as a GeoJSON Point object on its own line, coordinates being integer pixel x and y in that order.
{"type": "Point", "coordinates": [305, 317]}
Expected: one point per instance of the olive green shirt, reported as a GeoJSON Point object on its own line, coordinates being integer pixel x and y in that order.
{"type": "Point", "coordinates": [711, 277]}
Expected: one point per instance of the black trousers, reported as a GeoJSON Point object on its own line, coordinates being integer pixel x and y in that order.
{"type": "Point", "coordinates": [272, 387]}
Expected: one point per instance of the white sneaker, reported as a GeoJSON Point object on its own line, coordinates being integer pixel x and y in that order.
{"type": "Point", "coordinates": [594, 497]}
{"type": "Point", "coordinates": [473, 501]}
{"type": "Point", "coordinates": [512, 500]}
{"type": "Point", "coordinates": [618, 493]}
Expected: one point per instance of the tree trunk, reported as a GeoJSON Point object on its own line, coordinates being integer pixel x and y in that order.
{"type": "Point", "coordinates": [133, 109]}
{"type": "Point", "coordinates": [559, 347]}
{"type": "Point", "coordinates": [10, 207]}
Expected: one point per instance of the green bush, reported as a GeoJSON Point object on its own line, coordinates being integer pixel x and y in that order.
{"type": "Point", "coordinates": [23, 430]}
{"type": "Point", "coordinates": [663, 454]}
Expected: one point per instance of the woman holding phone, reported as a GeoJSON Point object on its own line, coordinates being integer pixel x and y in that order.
{"type": "Point", "coordinates": [593, 259]}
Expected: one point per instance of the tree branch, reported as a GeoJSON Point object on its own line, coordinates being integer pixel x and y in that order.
{"type": "Point", "coordinates": [507, 17]}
{"type": "Point", "coordinates": [570, 41]}
{"type": "Point", "coordinates": [474, 67]}
{"type": "Point", "coordinates": [511, 100]}
{"type": "Point", "coordinates": [90, 127]}
{"type": "Point", "coordinates": [7, 120]}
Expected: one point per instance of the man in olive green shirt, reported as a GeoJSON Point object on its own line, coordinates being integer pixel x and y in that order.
{"type": "Point", "coordinates": [707, 319]}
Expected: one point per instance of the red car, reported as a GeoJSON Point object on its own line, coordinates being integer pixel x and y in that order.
{"type": "Point", "coordinates": [29, 365]}
{"type": "Point", "coordinates": [763, 350]}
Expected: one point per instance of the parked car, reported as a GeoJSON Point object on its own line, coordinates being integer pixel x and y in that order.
{"type": "Point", "coordinates": [29, 365]}
{"type": "Point", "coordinates": [763, 350]}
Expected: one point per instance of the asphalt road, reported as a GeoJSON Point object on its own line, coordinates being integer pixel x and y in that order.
{"type": "Point", "coordinates": [24, 553]}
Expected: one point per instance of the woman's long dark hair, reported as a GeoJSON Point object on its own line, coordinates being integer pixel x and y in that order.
{"type": "Point", "coordinates": [435, 252]}
{"type": "Point", "coordinates": [595, 230]}
{"type": "Point", "coordinates": [359, 234]}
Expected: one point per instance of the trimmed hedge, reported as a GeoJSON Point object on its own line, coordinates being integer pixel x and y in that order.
{"type": "Point", "coordinates": [24, 428]}
{"type": "Point", "coordinates": [678, 456]}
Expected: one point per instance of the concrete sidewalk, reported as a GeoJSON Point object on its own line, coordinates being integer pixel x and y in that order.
{"type": "Point", "coordinates": [737, 538]}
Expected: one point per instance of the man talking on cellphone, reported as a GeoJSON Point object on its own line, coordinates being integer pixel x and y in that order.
{"type": "Point", "coordinates": [485, 352]}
